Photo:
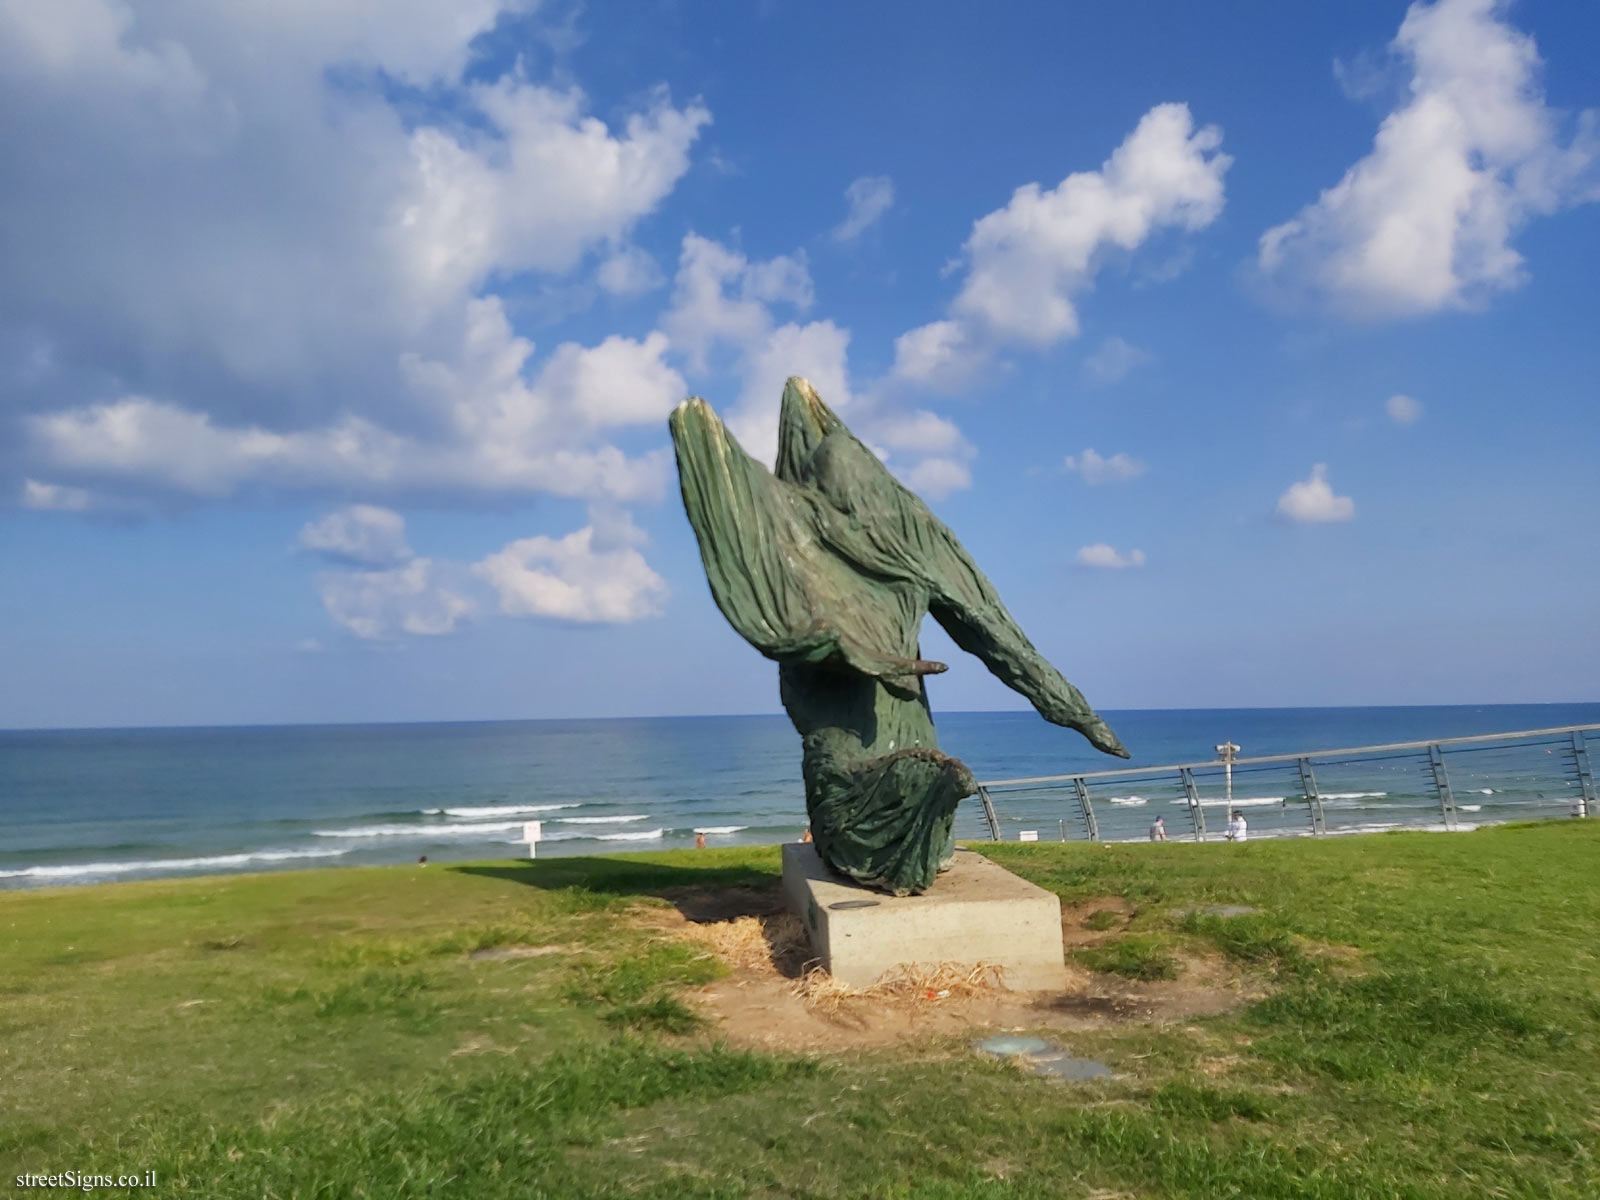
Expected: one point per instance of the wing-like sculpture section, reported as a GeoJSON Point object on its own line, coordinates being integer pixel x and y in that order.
{"type": "Point", "coordinates": [770, 572]}
{"type": "Point", "coordinates": [829, 566]}
{"type": "Point", "coordinates": [888, 532]}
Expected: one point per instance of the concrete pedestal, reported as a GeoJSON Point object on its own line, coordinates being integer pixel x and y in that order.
{"type": "Point", "coordinates": [976, 912]}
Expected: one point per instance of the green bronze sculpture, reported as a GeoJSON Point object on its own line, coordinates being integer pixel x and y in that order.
{"type": "Point", "coordinates": [827, 566]}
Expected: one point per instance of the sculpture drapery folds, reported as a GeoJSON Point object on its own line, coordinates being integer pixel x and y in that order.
{"type": "Point", "coordinates": [827, 565]}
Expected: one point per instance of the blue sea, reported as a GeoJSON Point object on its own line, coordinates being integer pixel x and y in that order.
{"type": "Point", "coordinates": [87, 806]}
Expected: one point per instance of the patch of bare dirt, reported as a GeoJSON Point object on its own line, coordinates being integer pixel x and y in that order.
{"type": "Point", "coordinates": [748, 928]}
{"type": "Point", "coordinates": [770, 1000]}
{"type": "Point", "coordinates": [1094, 921]}
{"type": "Point", "coordinates": [1205, 987]}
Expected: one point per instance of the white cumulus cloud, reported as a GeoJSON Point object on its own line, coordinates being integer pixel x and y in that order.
{"type": "Point", "coordinates": [1403, 410]}
{"type": "Point", "coordinates": [936, 478]}
{"type": "Point", "coordinates": [405, 599]}
{"type": "Point", "coordinates": [869, 198]}
{"type": "Point", "coordinates": [1425, 221]}
{"type": "Point", "coordinates": [1027, 264]}
{"type": "Point", "coordinates": [361, 533]}
{"type": "Point", "coordinates": [54, 497]}
{"type": "Point", "coordinates": [1097, 469]}
{"type": "Point", "coordinates": [1114, 359]}
{"type": "Point", "coordinates": [262, 264]}
{"type": "Point", "coordinates": [629, 271]}
{"type": "Point", "coordinates": [941, 355]}
{"type": "Point", "coordinates": [1312, 500]}
{"type": "Point", "coordinates": [1101, 555]}
{"type": "Point", "coordinates": [594, 574]}
{"type": "Point", "coordinates": [920, 432]}
{"type": "Point", "coordinates": [144, 442]}
{"type": "Point", "coordinates": [722, 318]}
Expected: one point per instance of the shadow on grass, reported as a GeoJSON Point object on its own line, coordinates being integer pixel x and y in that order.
{"type": "Point", "coordinates": [713, 894]}
{"type": "Point", "coordinates": [628, 877]}
{"type": "Point", "coordinates": [703, 894]}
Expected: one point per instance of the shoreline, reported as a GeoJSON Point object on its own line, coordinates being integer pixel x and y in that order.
{"type": "Point", "coordinates": [114, 873]}
{"type": "Point", "coordinates": [85, 808]}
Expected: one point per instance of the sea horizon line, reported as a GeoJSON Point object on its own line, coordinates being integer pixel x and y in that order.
{"type": "Point", "coordinates": [198, 727]}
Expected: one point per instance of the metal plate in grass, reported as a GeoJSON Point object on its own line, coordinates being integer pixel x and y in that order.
{"type": "Point", "coordinates": [1008, 1047]}
{"type": "Point", "coordinates": [1066, 1066]}
{"type": "Point", "coordinates": [1044, 1057]}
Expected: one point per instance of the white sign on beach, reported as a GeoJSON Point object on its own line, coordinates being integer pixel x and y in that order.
{"type": "Point", "coordinates": [532, 831]}
{"type": "Point", "coordinates": [1028, 835]}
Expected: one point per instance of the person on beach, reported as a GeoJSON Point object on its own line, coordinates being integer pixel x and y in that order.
{"type": "Point", "coordinates": [806, 836]}
{"type": "Point", "coordinates": [1238, 831]}
{"type": "Point", "coordinates": [1158, 829]}
{"type": "Point", "coordinates": [699, 840]}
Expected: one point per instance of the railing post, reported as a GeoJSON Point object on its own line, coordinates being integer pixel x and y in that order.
{"type": "Point", "coordinates": [1588, 806]}
{"type": "Point", "coordinates": [1086, 807]}
{"type": "Point", "coordinates": [1197, 814]}
{"type": "Point", "coordinates": [989, 813]}
{"type": "Point", "coordinates": [1441, 783]}
{"type": "Point", "coordinates": [1308, 785]}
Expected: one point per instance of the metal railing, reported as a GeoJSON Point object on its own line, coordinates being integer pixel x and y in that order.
{"type": "Point", "coordinates": [1498, 777]}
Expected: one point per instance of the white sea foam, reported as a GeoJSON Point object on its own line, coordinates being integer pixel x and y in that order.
{"type": "Point", "coordinates": [165, 864]}
{"type": "Point", "coordinates": [496, 810]}
{"type": "Point", "coordinates": [1127, 799]}
{"type": "Point", "coordinates": [1353, 795]}
{"type": "Point", "coordinates": [584, 835]}
{"type": "Point", "coordinates": [420, 831]}
{"type": "Point", "coordinates": [1341, 831]}
{"type": "Point", "coordinates": [1484, 791]}
{"type": "Point", "coordinates": [1470, 807]}
{"type": "Point", "coordinates": [720, 828]}
{"type": "Point", "coordinates": [601, 820]}
{"type": "Point", "coordinates": [1245, 802]}
{"type": "Point", "coordinates": [1391, 826]}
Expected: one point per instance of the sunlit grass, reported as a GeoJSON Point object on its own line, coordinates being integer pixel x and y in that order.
{"type": "Point", "coordinates": [1430, 1027]}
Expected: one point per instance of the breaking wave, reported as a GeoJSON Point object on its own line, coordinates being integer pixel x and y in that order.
{"type": "Point", "coordinates": [495, 810]}
{"type": "Point", "coordinates": [420, 831]}
{"type": "Point", "coordinates": [68, 870]}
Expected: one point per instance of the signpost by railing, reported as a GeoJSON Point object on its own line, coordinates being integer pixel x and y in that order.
{"type": "Point", "coordinates": [1308, 785]}
{"type": "Point", "coordinates": [1580, 766]}
{"type": "Point", "coordinates": [1527, 782]}
{"type": "Point", "coordinates": [1441, 781]}
{"type": "Point", "coordinates": [1227, 752]}
{"type": "Point", "coordinates": [1086, 808]}
{"type": "Point", "coordinates": [989, 813]}
{"type": "Point", "coordinates": [1197, 811]}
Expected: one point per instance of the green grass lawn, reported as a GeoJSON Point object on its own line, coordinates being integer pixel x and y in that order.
{"type": "Point", "coordinates": [1431, 1027]}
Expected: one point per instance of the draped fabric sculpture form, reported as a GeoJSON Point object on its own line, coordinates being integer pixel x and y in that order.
{"type": "Point", "coordinates": [827, 566]}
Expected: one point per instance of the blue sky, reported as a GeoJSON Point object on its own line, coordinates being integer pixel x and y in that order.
{"type": "Point", "coordinates": [1248, 347]}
